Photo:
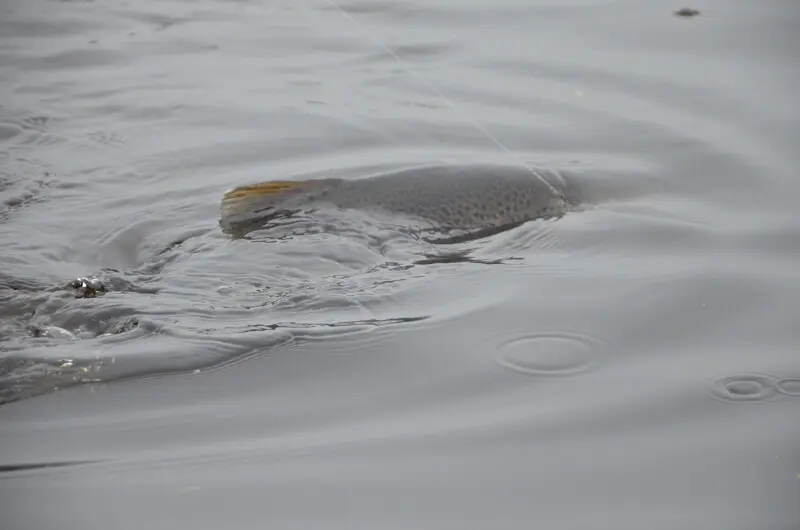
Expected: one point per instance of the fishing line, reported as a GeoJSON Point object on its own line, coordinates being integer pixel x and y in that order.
{"type": "Point", "coordinates": [380, 43]}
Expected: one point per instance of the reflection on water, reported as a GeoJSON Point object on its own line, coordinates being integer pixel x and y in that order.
{"type": "Point", "coordinates": [635, 357]}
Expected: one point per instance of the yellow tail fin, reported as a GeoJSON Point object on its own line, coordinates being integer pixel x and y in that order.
{"type": "Point", "coordinates": [244, 205]}
{"type": "Point", "coordinates": [271, 187]}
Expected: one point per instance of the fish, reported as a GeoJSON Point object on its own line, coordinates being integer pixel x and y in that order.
{"type": "Point", "coordinates": [465, 201]}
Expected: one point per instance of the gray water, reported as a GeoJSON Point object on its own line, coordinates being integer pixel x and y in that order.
{"type": "Point", "coordinates": [631, 365]}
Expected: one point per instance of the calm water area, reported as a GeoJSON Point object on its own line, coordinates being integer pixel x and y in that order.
{"type": "Point", "coordinates": [634, 364]}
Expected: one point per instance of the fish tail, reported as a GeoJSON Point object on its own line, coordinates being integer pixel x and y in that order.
{"type": "Point", "coordinates": [270, 187]}
{"type": "Point", "coordinates": [244, 203]}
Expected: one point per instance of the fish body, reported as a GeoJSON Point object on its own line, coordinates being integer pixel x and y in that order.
{"type": "Point", "coordinates": [472, 199]}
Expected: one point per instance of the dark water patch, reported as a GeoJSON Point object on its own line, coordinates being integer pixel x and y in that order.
{"type": "Point", "coordinates": [23, 188]}
{"type": "Point", "coordinates": [351, 325]}
{"type": "Point", "coordinates": [35, 466]}
{"type": "Point", "coordinates": [12, 283]}
{"type": "Point", "coordinates": [89, 58]}
{"type": "Point", "coordinates": [422, 50]}
{"type": "Point", "coordinates": [459, 257]}
{"type": "Point", "coordinates": [451, 236]}
{"type": "Point", "coordinates": [95, 94]}
{"type": "Point", "coordinates": [417, 54]}
{"type": "Point", "coordinates": [41, 124]}
{"type": "Point", "coordinates": [106, 138]}
{"type": "Point", "coordinates": [394, 10]}
{"type": "Point", "coordinates": [17, 26]}
{"type": "Point", "coordinates": [177, 47]}
{"type": "Point", "coordinates": [9, 131]}
{"type": "Point", "coordinates": [137, 113]}
{"type": "Point", "coordinates": [157, 21]}
{"type": "Point", "coordinates": [686, 12]}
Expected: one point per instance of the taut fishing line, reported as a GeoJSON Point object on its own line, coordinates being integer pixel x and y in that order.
{"type": "Point", "coordinates": [380, 43]}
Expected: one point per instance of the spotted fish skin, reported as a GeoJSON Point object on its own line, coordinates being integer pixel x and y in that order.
{"type": "Point", "coordinates": [470, 198]}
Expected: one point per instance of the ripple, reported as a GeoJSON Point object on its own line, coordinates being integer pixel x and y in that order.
{"type": "Point", "coordinates": [743, 388]}
{"type": "Point", "coordinates": [22, 378]}
{"type": "Point", "coordinates": [789, 386]}
{"type": "Point", "coordinates": [9, 130]}
{"type": "Point", "coordinates": [23, 189]}
{"type": "Point", "coordinates": [341, 338]}
{"type": "Point", "coordinates": [366, 8]}
{"type": "Point", "coordinates": [550, 354]}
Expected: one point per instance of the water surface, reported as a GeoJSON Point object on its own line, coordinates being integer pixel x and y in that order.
{"type": "Point", "coordinates": [631, 365]}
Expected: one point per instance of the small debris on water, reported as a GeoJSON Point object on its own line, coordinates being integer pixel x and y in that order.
{"type": "Point", "coordinates": [687, 12]}
{"type": "Point", "coordinates": [224, 289]}
{"type": "Point", "coordinates": [53, 332]}
{"type": "Point", "coordinates": [87, 287]}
